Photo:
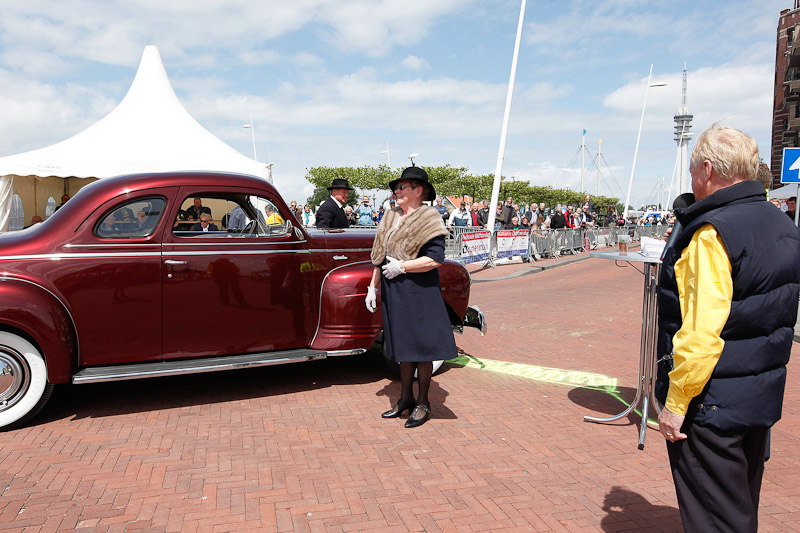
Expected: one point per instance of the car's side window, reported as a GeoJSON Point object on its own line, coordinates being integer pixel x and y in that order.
{"type": "Point", "coordinates": [132, 220]}
{"type": "Point", "coordinates": [270, 221]}
{"type": "Point", "coordinates": [210, 215]}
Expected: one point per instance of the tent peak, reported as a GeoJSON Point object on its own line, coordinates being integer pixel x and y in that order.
{"type": "Point", "coordinates": [151, 80]}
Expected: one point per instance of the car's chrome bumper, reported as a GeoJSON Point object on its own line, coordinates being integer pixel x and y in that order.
{"type": "Point", "coordinates": [474, 318]}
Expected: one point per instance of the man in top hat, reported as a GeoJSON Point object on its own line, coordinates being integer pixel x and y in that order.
{"type": "Point", "coordinates": [331, 213]}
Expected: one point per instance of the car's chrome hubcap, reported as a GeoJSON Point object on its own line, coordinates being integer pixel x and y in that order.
{"type": "Point", "coordinates": [14, 377]}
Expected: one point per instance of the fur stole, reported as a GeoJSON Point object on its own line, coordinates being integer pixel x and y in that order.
{"type": "Point", "coordinates": [406, 240]}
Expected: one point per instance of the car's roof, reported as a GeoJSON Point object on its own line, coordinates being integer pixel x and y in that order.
{"type": "Point", "coordinates": [131, 182]}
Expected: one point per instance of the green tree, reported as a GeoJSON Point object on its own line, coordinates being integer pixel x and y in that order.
{"type": "Point", "coordinates": [448, 181]}
{"type": "Point", "coordinates": [321, 194]}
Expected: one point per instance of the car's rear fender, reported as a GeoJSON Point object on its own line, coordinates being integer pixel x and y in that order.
{"type": "Point", "coordinates": [35, 312]}
{"type": "Point", "coordinates": [344, 321]}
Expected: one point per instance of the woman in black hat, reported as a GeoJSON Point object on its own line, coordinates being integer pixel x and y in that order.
{"type": "Point", "coordinates": [408, 249]}
{"type": "Point", "coordinates": [331, 213]}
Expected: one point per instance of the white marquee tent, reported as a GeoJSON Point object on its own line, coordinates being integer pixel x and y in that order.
{"type": "Point", "coordinates": [149, 131]}
{"type": "Point", "coordinates": [782, 193]}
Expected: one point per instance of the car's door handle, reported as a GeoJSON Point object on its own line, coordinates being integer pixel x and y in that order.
{"type": "Point", "coordinates": [173, 262]}
{"type": "Point", "coordinates": [340, 257]}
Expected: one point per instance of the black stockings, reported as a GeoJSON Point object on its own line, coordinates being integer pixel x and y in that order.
{"type": "Point", "coordinates": [424, 372]}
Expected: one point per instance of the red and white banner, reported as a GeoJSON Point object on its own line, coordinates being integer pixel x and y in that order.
{"type": "Point", "coordinates": [511, 242]}
{"type": "Point", "coordinates": [475, 246]}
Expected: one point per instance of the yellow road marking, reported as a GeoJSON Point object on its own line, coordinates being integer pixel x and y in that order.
{"type": "Point", "coordinates": [540, 373]}
{"type": "Point", "coordinates": [559, 376]}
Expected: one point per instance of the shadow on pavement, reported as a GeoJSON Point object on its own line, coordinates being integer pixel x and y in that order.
{"type": "Point", "coordinates": [628, 510]}
{"type": "Point", "coordinates": [604, 402]}
{"type": "Point", "coordinates": [142, 395]}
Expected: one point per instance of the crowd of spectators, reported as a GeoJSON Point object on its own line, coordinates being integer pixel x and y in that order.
{"type": "Point", "coordinates": [511, 215]}
{"type": "Point", "coordinates": [508, 214]}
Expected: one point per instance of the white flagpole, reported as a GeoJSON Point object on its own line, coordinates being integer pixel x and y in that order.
{"type": "Point", "coordinates": [501, 152]}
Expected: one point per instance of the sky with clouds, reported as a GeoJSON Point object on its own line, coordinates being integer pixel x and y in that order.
{"type": "Point", "coordinates": [331, 82]}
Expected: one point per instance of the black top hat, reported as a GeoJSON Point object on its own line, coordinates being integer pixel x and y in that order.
{"type": "Point", "coordinates": [419, 175]}
{"type": "Point", "coordinates": [339, 183]}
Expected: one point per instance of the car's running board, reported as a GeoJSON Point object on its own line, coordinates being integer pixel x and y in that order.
{"type": "Point", "coordinates": [194, 366]}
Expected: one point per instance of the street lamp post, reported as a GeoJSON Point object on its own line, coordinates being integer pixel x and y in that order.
{"type": "Point", "coordinates": [253, 135]}
{"type": "Point", "coordinates": [638, 138]}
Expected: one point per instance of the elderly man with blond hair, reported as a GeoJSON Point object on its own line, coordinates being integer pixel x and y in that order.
{"type": "Point", "coordinates": [727, 307]}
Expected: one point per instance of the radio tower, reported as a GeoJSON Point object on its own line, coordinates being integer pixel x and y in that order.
{"type": "Point", "coordinates": [683, 128]}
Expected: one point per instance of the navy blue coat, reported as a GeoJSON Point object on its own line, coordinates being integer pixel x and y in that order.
{"type": "Point", "coordinates": [746, 387]}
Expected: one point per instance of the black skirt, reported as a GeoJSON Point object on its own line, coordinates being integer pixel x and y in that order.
{"type": "Point", "coordinates": [416, 325]}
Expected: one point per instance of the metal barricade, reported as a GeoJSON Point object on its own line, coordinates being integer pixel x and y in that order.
{"type": "Point", "coordinates": [552, 243]}
{"type": "Point", "coordinates": [453, 242]}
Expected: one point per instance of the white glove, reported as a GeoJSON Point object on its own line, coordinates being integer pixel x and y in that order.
{"type": "Point", "coordinates": [371, 300]}
{"type": "Point", "coordinates": [393, 268]}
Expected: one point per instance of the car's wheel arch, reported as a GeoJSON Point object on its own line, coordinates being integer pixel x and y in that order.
{"type": "Point", "coordinates": [31, 311]}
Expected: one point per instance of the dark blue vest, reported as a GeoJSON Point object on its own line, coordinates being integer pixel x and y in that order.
{"type": "Point", "coordinates": [746, 387]}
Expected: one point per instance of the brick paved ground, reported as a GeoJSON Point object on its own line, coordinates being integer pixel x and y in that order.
{"type": "Point", "coordinates": [302, 447]}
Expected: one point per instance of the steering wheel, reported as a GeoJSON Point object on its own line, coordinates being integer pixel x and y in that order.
{"type": "Point", "coordinates": [250, 228]}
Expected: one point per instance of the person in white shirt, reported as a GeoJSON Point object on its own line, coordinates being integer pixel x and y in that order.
{"type": "Point", "coordinates": [459, 217]}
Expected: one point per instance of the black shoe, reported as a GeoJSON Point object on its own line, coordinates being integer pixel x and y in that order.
{"type": "Point", "coordinates": [398, 409]}
{"type": "Point", "coordinates": [413, 422]}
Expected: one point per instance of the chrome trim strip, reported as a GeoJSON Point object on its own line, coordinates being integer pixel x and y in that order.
{"type": "Point", "coordinates": [193, 366]}
{"type": "Point", "coordinates": [319, 300]}
{"type": "Point", "coordinates": [339, 250]}
{"type": "Point", "coordinates": [235, 252]}
{"type": "Point", "coordinates": [56, 257]}
{"type": "Point", "coordinates": [355, 351]}
{"type": "Point", "coordinates": [5, 276]}
{"type": "Point", "coordinates": [86, 255]}
{"type": "Point", "coordinates": [234, 241]}
{"type": "Point", "coordinates": [106, 245]}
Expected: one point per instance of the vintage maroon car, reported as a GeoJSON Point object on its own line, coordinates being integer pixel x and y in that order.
{"type": "Point", "coordinates": [124, 282]}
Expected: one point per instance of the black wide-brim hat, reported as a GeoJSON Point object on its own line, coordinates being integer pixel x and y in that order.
{"type": "Point", "coordinates": [420, 176]}
{"type": "Point", "coordinates": [339, 183]}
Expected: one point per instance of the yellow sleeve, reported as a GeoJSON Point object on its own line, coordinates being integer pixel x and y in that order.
{"type": "Point", "coordinates": [705, 292]}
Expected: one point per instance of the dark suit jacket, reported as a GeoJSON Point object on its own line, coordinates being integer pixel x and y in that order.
{"type": "Point", "coordinates": [195, 213]}
{"type": "Point", "coordinates": [483, 216]}
{"type": "Point", "coordinates": [211, 227]}
{"type": "Point", "coordinates": [330, 215]}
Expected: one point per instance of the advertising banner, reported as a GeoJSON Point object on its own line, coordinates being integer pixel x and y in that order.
{"type": "Point", "coordinates": [512, 242]}
{"type": "Point", "coordinates": [475, 246]}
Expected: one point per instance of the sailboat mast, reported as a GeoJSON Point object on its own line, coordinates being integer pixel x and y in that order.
{"type": "Point", "coordinates": [583, 160]}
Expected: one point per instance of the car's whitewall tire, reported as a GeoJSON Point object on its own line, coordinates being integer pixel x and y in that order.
{"type": "Point", "coordinates": [24, 388]}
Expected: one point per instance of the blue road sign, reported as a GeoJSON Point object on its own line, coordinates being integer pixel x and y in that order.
{"type": "Point", "coordinates": [790, 168]}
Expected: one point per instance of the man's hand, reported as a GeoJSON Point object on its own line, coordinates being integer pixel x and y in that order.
{"type": "Point", "coordinates": [669, 424]}
{"type": "Point", "coordinates": [371, 300]}
{"type": "Point", "coordinates": [393, 268]}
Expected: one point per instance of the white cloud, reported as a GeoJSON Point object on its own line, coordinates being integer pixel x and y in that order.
{"type": "Point", "coordinates": [545, 91]}
{"type": "Point", "coordinates": [740, 95]}
{"type": "Point", "coordinates": [259, 57]}
{"type": "Point", "coordinates": [37, 114]}
{"type": "Point", "coordinates": [415, 63]}
{"type": "Point", "coordinates": [37, 34]}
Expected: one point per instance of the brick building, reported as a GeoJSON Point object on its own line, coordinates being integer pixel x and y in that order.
{"type": "Point", "coordinates": [786, 101]}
